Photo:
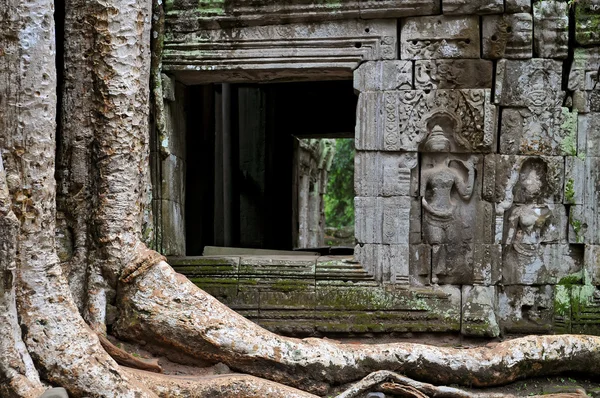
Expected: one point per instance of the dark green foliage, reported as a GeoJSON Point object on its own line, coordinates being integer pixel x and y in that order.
{"type": "Point", "coordinates": [339, 200]}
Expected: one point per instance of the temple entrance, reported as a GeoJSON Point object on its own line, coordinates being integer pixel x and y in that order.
{"type": "Point", "coordinates": [252, 162]}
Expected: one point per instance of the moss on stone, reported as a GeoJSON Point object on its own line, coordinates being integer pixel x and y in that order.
{"type": "Point", "coordinates": [569, 124]}
{"type": "Point", "coordinates": [570, 191]}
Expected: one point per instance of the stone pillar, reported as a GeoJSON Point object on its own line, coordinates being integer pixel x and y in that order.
{"type": "Point", "coordinates": [169, 183]}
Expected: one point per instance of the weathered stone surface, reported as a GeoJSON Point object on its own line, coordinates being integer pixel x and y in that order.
{"type": "Point", "coordinates": [514, 6]}
{"type": "Point", "coordinates": [551, 20]}
{"type": "Point", "coordinates": [538, 131]}
{"type": "Point", "coordinates": [386, 263]}
{"type": "Point", "coordinates": [507, 36]}
{"type": "Point", "coordinates": [173, 179]}
{"type": "Point", "coordinates": [185, 16]}
{"type": "Point", "coordinates": [574, 180]}
{"type": "Point", "coordinates": [479, 311]}
{"type": "Point", "coordinates": [511, 174]}
{"type": "Point", "coordinates": [420, 265]}
{"type": "Point", "coordinates": [544, 264]}
{"type": "Point", "coordinates": [386, 174]}
{"type": "Point", "coordinates": [453, 74]}
{"type": "Point", "coordinates": [402, 120]}
{"type": "Point", "coordinates": [355, 309]}
{"type": "Point", "coordinates": [535, 82]}
{"type": "Point", "coordinates": [382, 220]}
{"type": "Point", "coordinates": [466, 7]}
{"type": "Point", "coordinates": [586, 101]}
{"type": "Point", "coordinates": [526, 309]}
{"type": "Point", "coordinates": [398, 8]}
{"type": "Point", "coordinates": [314, 51]}
{"type": "Point", "coordinates": [588, 138]}
{"type": "Point", "coordinates": [172, 227]}
{"type": "Point", "coordinates": [584, 70]}
{"type": "Point", "coordinates": [591, 261]}
{"type": "Point", "coordinates": [440, 37]}
{"type": "Point", "coordinates": [368, 220]}
{"type": "Point", "coordinates": [587, 22]}
{"type": "Point", "coordinates": [383, 75]}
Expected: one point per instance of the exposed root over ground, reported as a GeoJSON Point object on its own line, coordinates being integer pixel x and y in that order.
{"type": "Point", "coordinates": [164, 308]}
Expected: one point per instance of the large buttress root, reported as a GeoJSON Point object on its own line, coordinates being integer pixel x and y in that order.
{"type": "Point", "coordinates": [163, 307]}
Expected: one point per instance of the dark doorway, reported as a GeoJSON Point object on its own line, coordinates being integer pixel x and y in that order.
{"type": "Point", "coordinates": [240, 149]}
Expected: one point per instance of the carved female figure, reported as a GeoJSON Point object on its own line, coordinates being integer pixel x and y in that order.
{"type": "Point", "coordinates": [525, 222]}
{"type": "Point", "coordinates": [439, 207]}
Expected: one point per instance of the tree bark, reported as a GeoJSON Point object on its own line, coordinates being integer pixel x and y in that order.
{"type": "Point", "coordinates": [61, 345]}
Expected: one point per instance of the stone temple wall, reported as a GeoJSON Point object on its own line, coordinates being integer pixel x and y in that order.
{"type": "Point", "coordinates": [477, 171]}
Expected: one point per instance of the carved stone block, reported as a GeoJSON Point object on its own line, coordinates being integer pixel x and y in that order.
{"type": "Point", "coordinates": [586, 101]}
{"type": "Point", "coordinates": [507, 36]}
{"type": "Point", "coordinates": [402, 120]}
{"type": "Point", "coordinates": [456, 7]}
{"type": "Point", "coordinates": [369, 217]}
{"type": "Point", "coordinates": [591, 261]}
{"type": "Point", "coordinates": [526, 309]}
{"type": "Point", "coordinates": [574, 180]}
{"type": "Point", "coordinates": [538, 131]}
{"type": "Point", "coordinates": [487, 264]}
{"type": "Point", "coordinates": [187, 15]}
{"type": "Point", "coordinates": [523, 180]}
{"type": "Point", "coordinates": [386, 263]}
{"type": "Point", "coordinates": [544, 264]}
{"type": "Point", "coordinates": [386, 174]}
{"type": "Point", "coordinates": [479, 311]}
{"type": "Point", "coordinates": [531, 83]}
{"type": "Point", "coordinates": [396, 219]}
{"type": "Point", "coordinates": [420, 265]}
{"type": "Point", "coordinates": [588, 138]}
{"type": "Point", "coordinates": [398, 8]}
{"type": "Point", "coordinates": [313, 51]}
{"type": "Point", "coordinates": [587, 19]}
{"type": "Point", "coordinates": [586, 222]}
{"type": "Point", "coordinates": [551, 29]}
{"type": "Point", "coordinates": [382, 220]}
{"type": "Point", "coordinates": [356, 309]}
{"type": "Point", "coordinates": [584, 73]}
{"type": "Point", "coordinates": [440, 37]}
{"type": "Point", "coordinates": [383, 75]}
{"type": "Point", "coordinates": [581, 222]}
{"type": "Point", "coordinates": [514, 6]}
{"type": "Point", "coordinates": [453, 73]}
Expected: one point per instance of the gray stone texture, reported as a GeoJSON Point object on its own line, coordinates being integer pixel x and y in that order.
{"type": "Point", "coordinates": [551, 20]}
{"type": "Point", "coordinates": [386, 174]}
{"type": "Point", "coordinates": [514, 6]}
{"type": "Point", "coordinates": [479, 311]}
{"type": "Point", "coordinates": [453, 74]}
{"type": "Point", "coordinates": [300, 51]}
{"type": "Point", "coordinates": [507, 36]}
{"type": "Point", "coordinates": [439, 37]}
{"type": "Point", "coordinates": [538, 131]}
{"type": "Point", "coordinates": [384, 75]}
{"type": "Point", "coordinates": [467, 7]}
{"type": "Point", "coordinates": [402, 120]}
{"type": "Point", "coordinates": [531, 83]}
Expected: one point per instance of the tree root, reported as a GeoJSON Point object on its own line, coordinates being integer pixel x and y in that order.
{"type": "Point", "coordinates": [396, 384]}
{"type": "Point", "coordinates": [222, 386]}
{"type": "Point", "coordinates": [124, 358]}
{"type": "Point", "coordinates": [163, 307]}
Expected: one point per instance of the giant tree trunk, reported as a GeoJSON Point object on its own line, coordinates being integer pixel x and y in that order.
{"type": "Point", "coordinates": [61, 345]}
